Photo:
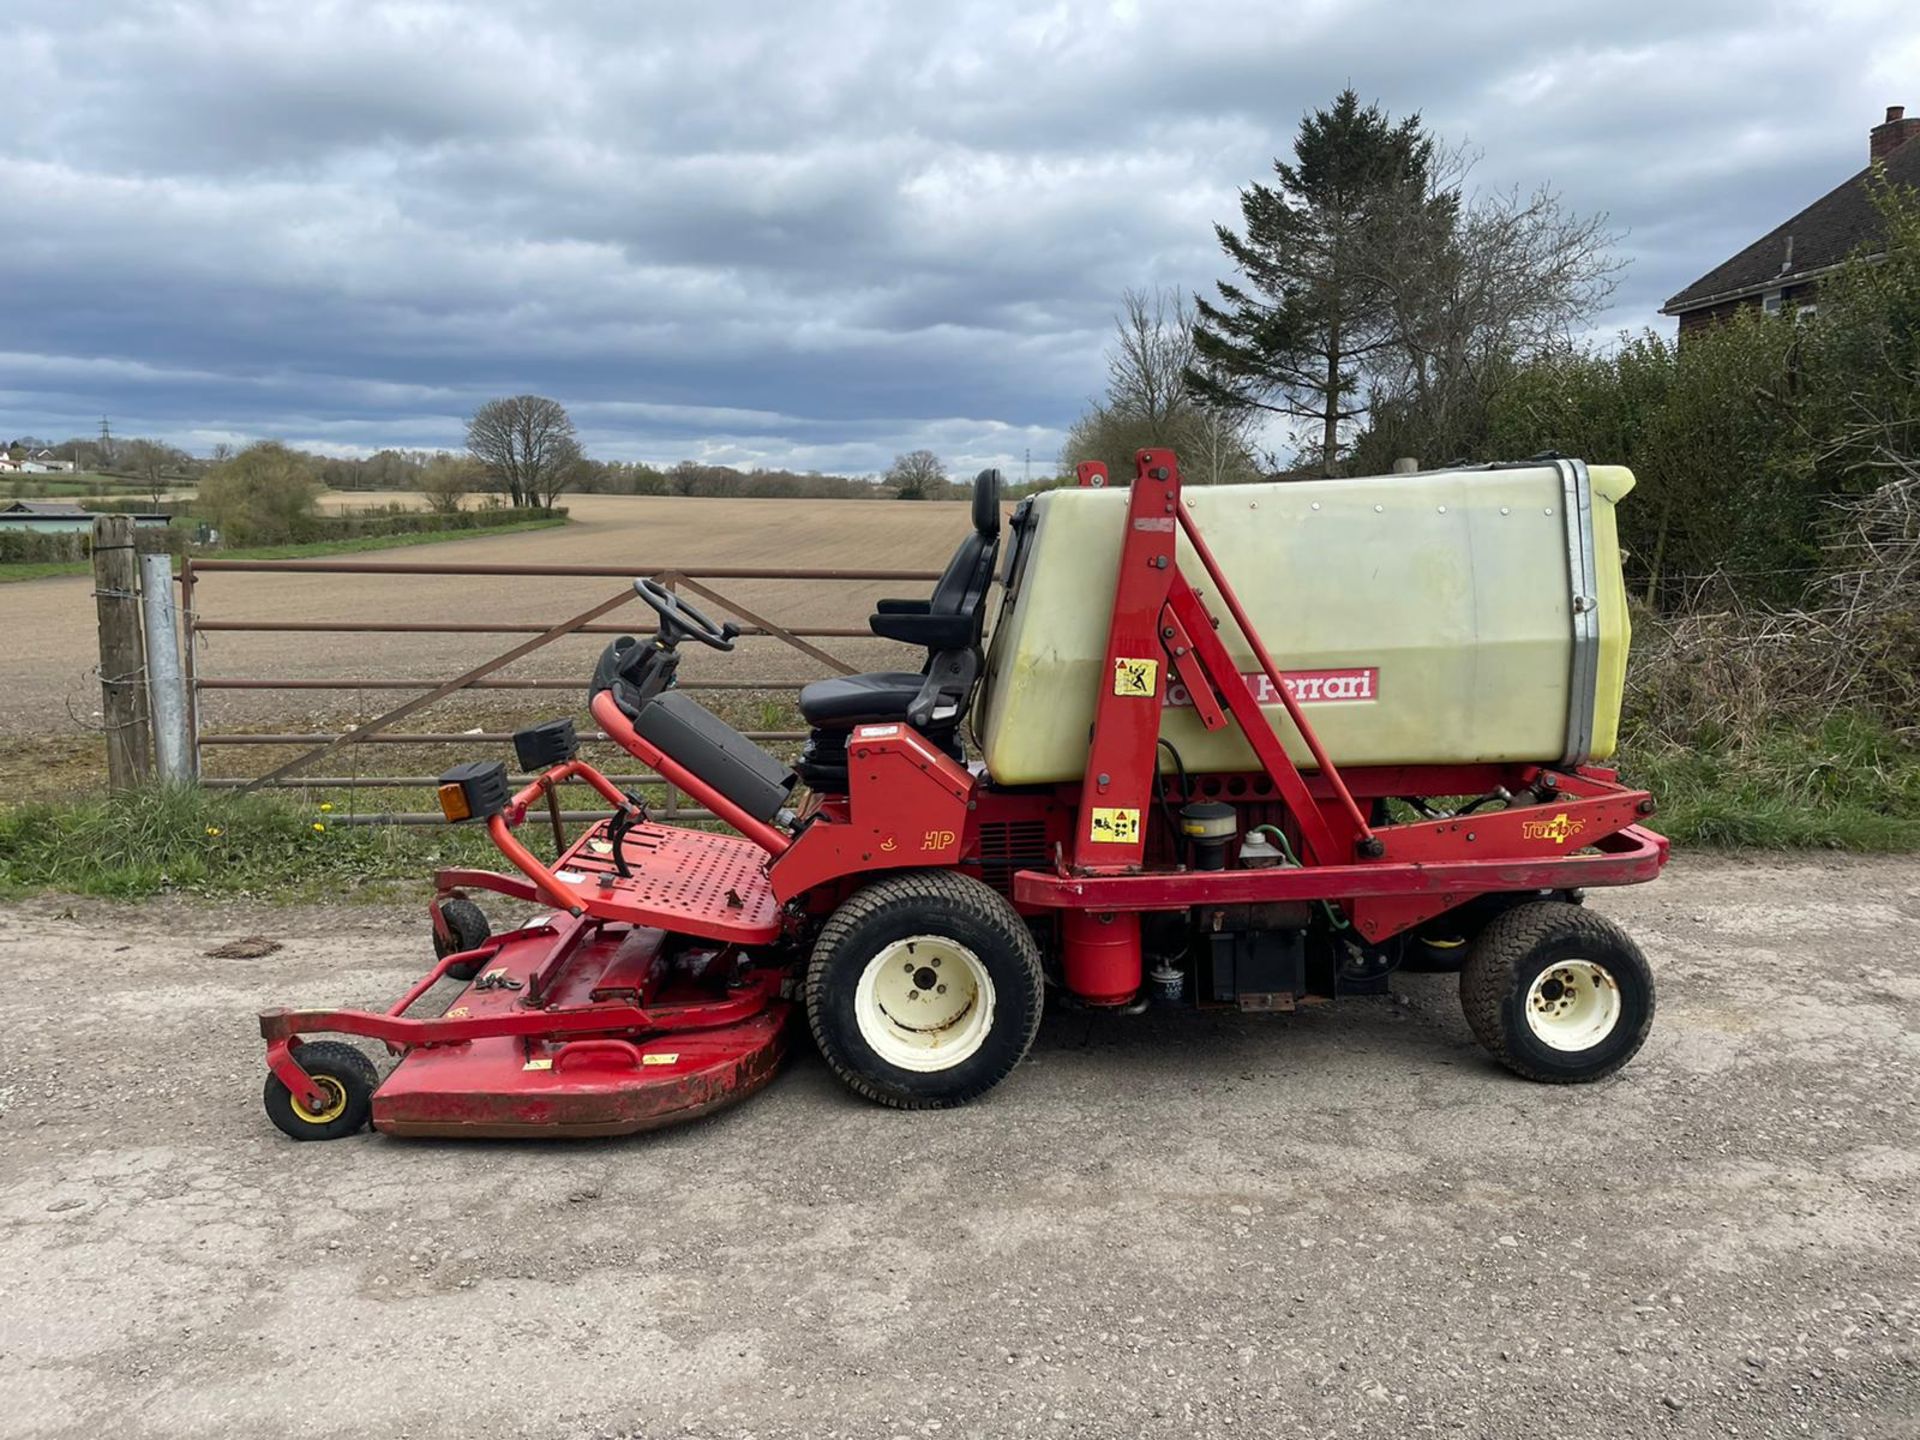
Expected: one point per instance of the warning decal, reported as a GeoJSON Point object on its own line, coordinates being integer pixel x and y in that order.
{"type": "Point", "coordinates": [1114, 827]}
{"type": "Point", "coordinates": [1134, 677]}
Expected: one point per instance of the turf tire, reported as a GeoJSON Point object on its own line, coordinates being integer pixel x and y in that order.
{"type": "Point", "coordinates": [1507, 956]}
{"type": "Point", "coordinates": [924, 902]}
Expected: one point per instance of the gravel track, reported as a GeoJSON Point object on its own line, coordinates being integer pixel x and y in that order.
{"type": "Point", "coordinates": [1342, 1222]}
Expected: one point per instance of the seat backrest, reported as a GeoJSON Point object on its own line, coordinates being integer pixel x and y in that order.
{"type": "Point", "coordinates": [963, 586]}
{"type": "Point", "coordinates": [952, 621]}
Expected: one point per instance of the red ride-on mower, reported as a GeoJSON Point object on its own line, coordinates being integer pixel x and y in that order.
{"type": "Point", "coordinates": [1155, 819]}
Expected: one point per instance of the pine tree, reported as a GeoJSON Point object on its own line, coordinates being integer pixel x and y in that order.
{"type": "Point", "coordinates": [1295, 332]}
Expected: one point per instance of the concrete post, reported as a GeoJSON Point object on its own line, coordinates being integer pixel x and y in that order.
{"type": "Point", "coordinates": [166, 689]}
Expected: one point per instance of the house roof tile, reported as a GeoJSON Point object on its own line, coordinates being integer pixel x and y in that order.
{"type": "Point", "coordinates": [1823, 234]}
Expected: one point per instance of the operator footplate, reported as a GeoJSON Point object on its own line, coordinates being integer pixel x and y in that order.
{"type": "Point", "coordinates": [692, 881]}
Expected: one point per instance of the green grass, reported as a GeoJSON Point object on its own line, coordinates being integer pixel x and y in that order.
{"type": "Point", "coordinates": [42, 570]}
{"type": "Point", "coordinates": [86, 482]}
{"type": "Point", "coordinates": [216, 843]}
{"type": "Point", "coordinates": [1852, 785]}
{"type": "Point", "coordinates": [378, 542]}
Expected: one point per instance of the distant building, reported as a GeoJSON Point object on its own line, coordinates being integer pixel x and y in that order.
{"type": "Point", "coordinates": [1782, 270]}
{"type": "Point", "coordinates": [52, 517]}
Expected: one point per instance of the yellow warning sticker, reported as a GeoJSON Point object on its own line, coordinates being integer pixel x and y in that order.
{"type": "Point", "coordinates": [1114, 826]}
{"type": "Point", "coordinates": [1134, 677]}
{"type": "Point", "coordinates": [544, 1063]}
{"type": "Point", "coordinates": [661, 1057]}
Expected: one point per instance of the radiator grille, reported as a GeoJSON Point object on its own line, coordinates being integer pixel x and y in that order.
{"type": "Point", "coordinates": [1009, 846]}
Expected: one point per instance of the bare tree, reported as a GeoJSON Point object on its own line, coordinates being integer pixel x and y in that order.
{"type": "Point", "coordinates": [1151, 401]}
{"type": "Point", "coordinates": [528, 444]}
{"type": "Point", "coordinates": [1512, 279]}
{"type": "Point", "coordinates": [446, 480]}
{"type": "Point", "coordinates": [917, 475]}
{"type": "Point", "coordinates": [149, 461]}
{"type": "Point", "coordinates": [1147, 365]}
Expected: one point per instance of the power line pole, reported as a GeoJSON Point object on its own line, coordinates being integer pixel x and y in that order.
{"type": "Point", "coordinates": [106, 442]}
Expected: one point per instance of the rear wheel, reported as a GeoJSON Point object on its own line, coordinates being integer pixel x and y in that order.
{"type": "Point", "coordinates": [1557, 993]}
{"type": "Point", "coordinates": [346, 1078]}
{"type": "Point", "coordinates": [924, 990]}
{"type": "Point", "coordinates": [467, 923]}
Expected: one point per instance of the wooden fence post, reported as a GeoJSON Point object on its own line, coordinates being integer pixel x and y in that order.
{"type": "Point", "coordinates": [123, 679]}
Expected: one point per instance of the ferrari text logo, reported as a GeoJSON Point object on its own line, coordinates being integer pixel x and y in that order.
{"type": "Point", "coordinates": [1559, 829]}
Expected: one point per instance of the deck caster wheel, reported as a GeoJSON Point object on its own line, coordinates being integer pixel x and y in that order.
{"type": "Point", "coordinates": [924, 990]}
{"type": "Point", "coordinates": [468, 922]}
{"type": "Point", "coordinates": [1557, 993]}
{"type": "Point", "coordinates": [345, 1074]}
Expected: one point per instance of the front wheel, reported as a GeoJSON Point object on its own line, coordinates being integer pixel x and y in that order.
{"type": "Point", "coordinates": [924, 990]}
{"type": "Point", "coordinates": [1557, 993]}
{"type": "Point", "coordinates": [346, 1078]}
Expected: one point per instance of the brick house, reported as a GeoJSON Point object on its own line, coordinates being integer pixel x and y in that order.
{"type": "Point", "coordinates": [1783, 268]}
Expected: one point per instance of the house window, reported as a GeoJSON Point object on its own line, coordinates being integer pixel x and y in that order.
{"type": "Point", "coordinates": [1770, 302]}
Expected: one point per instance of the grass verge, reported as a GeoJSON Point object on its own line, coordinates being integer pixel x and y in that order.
{"type": "Point", "coordinates": [42, 570]}
{"type": "Point", "coordinates": [1851, 785]}
{"type": "Point", "coordinates": [215, 843]}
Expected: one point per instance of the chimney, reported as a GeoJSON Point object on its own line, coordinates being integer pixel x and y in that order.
{"type": "Point", "coordinates": [1890, 135]}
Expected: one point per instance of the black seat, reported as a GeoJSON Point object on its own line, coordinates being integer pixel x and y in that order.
{"type": "Point", "coordinates": [949, 624]}
{"type": "Point", "coordinates": [861, 699]}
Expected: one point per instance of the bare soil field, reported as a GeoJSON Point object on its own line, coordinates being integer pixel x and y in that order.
{"type": "Point", "coordinates": [1344, 1222]}
{"type": "Point", "coordinates": [47, 626]}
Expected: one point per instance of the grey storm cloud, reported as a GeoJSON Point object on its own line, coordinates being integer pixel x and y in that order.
{"type": "Point", "coordinates": [795, 234]}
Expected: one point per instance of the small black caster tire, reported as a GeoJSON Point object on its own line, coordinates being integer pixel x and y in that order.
{"type": "Point", "coordinates": [345, 1074]}
{"type": "Point", "coordinates": [470, 928]}
{"type": "Point", "coordinates": [1557, 993]}
{"type": "Point", "coordinates": [1435, 952]}
{"type": "Point", "coordinates": [924, 990]}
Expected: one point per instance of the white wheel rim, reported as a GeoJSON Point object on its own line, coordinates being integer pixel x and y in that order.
{"type": "Point", "coordinates": [1573, 1005]}
{"type": "Point", "coordinates": [924, 1003]}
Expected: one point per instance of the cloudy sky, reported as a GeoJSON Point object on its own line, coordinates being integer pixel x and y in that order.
{"type": "Point", "coordinates": [793, 233]}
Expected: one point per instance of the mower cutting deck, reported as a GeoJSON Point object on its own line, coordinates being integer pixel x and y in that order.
{"type": "Point", "coordinates": [1158, 818]}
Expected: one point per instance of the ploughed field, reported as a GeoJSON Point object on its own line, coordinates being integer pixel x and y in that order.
{"type": "Point", "coordinates": [51, 650]}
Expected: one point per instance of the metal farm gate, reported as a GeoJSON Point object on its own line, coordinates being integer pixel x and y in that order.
{"type": "Point", "coordinates": [198, 578]}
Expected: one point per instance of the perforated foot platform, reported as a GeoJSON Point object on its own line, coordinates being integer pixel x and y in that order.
{"type": "Point", "coordinates": [693, 882]}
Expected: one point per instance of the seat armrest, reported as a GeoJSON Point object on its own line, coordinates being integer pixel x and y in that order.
{"type": "Point", "coordinates": [949, 680]}
{"type": "Point", "coordinates": [932, 632]}
{"type": "Point", "coordinates": [903, 607]}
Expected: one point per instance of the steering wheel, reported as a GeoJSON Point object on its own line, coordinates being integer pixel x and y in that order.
{"type": "Point", "coordinates": [680, 620]}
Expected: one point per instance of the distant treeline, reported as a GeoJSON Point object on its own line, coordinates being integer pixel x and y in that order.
{"type": "Point", "coordinates": [403, 469]}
